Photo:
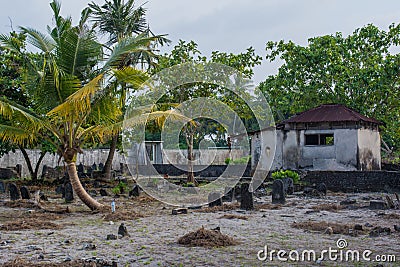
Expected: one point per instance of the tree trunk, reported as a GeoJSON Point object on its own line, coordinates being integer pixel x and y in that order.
{"type": "Point", "coordinates": [42, 154]}
{"type": "Point", "coordinates": [79, 190]}
{"type": "Point", "coordinates": [190, 177]}
{"type": "Point", "coordinates": [29, 164]}
{"type": "Point", "coordinates": [111, 153]}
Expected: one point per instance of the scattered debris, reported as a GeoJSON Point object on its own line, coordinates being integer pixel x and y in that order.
{"type": "Point", "coordinates": [179, 211]}
{"type": "Point", "coordinates": [322, 226]}
{"type": "Point", "coordinates": [25, 224]}
{"type": "Point", "coordinates": [234, 216]}
{"type": "Point", "coordinates": [377, 205]}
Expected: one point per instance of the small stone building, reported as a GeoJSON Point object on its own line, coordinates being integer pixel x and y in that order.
{"type": "Point", "coordinates": [328, 137]}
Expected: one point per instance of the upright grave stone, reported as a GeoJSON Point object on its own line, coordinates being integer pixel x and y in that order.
{"type": "Point", "coordinates": [69, 193]}
{"type": "Point", "coordinates": [14, 192]}
{"type": "Point", "coordinates": [2, 187]}
{"type": "Point", "coordinates": [214, 199]}
{"type": "Point", "coordinates": [278, 193]}
{"type": "Point", "coordinates": [25, 194]}
{"type": "Point", "coordinates": [246, 202]}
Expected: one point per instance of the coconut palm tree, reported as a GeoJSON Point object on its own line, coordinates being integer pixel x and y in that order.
{"type": "Point", "coordinates": [119, 19]}
{"type": "Point", "coordinates": [70, 84]}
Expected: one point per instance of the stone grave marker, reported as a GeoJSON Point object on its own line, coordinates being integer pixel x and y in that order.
{"type": "Point", "coordinates": [69, 193]}
{"type": "Point", "coordinates": [246, 202]}
{"type": "Point", "coordinates": [322, 188]}
{"type": "Point", "coordinates": [2, 187]}
{"type": "Point", "coordinates": [14, 192]}
{"type": "Point", "coordinates": [135, 192]}
{"type": "Point", "coordinates": [278, 193]}
{"type": "Point", "coordinates": [214, 199]}
{"type": "Point", "coordinates": [25, 194]}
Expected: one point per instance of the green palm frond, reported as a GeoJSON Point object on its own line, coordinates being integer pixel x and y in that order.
{"type": "Point", "coordinates": [16, 135]}
{"type": "Point", "coordinates": [131, 75]}
{"type": "Point", "coordinates": [39, 40]}
{"type": "Point", "coordinates": [129, 45]}
{"type": "Point", "coordinates": [78, 50]}
{"type": "Point", "coordinates": [80, 101]}
{"type": "Point", "coordinates": [17, 113]}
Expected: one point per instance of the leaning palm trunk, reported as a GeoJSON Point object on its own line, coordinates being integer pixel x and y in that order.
{"type": "Point", "coordinates": [78, 188]}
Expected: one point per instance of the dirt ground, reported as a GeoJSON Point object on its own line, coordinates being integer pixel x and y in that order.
{"type": "Point", "coordinates": [30, 237]}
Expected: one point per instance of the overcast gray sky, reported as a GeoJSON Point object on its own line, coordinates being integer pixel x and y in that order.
{"type": "Point", "coordinates": [229, 25]}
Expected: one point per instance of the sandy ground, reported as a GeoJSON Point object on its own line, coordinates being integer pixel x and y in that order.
{"type": "Point", "coordinates": [153, 238]}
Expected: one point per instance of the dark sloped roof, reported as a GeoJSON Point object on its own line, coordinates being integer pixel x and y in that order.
{"type": "Point", "coordinates": [330, 113]}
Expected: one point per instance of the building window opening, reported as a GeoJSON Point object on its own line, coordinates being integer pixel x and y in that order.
{"type": "Point", "coordinates": [319, 139]}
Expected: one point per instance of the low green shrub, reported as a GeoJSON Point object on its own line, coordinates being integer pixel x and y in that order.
{"type": "Point", "coordinates": [281, 174]}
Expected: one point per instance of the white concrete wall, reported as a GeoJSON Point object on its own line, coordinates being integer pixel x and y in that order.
{"type": "Point", "coordinates": [202, 156]}
{"type": "Point", "coordinates": [369, 149]}
{"type": "Point", "coordinates": [88, 157]}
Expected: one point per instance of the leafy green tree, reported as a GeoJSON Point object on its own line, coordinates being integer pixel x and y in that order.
{"type": "Point", "coordinates": [360, 71]}
{"type": "Point", "coordinates": [187, 52]}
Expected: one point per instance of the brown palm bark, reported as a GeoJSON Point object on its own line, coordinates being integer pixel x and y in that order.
{"type": "Point", "coordinates": [78, 188]}
{"type": "Point", "coordinates": [69, 155]}
{"type": "Point", "coordinates": [108, 165]}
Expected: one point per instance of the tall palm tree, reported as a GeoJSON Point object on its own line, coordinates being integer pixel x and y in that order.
{"type": "Point", "coordinates": [119, 19]}
{"type": "Point", "coordinates": [70, 86]}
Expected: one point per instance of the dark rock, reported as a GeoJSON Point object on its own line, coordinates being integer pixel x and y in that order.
{"type": "Point", "coordinates": [69, 193]}
{"type": "Point", "coordinates": [25, 194]}
{"type": "Point", "coordinates": [103, 192]}
{"type": "Point", "coordinates": [101, 166]}
{"type": "Point", "coordinates": [378, 231]}
{"type": "Point", "coordinates": [278, 194]}
{"type": "Point", "coordinates": [122, 231]}
{"type": "Point", "coordinates": [368, 225]}
{"type": "Point", "coordinates": [43, 196]}
{"type": "Point", "coordinates": [135, 192]}
{"type": "Point", "coordinates": [112, 237]}
{"type": "Point", "coordinates": [41, 256]}
{"type": "Point", "coordinates": [94, 167]}
{"type": "Point", "coordinates": [2, 187]}
{"type": "Point", "coordinates": [89, 246]}
{"type": "Point", "coordinates": [358, 227]}
{"type": "Point", "coordinates": [14, 192]}
{"type": "Point", "coordinates": [322, 188]}
{"type": "Point", "coordinates": [246, 203]}
{"type": "Point", "coordinates": [214, 199]}
{"type": "Point", "coordinates": [389, 202]}
{"type": "Point", "coordinates": [179, 211]}
{"type": "Point", "coordinates": [311, 192]}
{"type": "Point", "coordinates": [377, 205]}
{"type": "Point", "coordinates": [348, 202]}
{"type": "Point", "coordinates": [397, 228]}
{"type": "Point", "coordinates": [7, 173]}
{"type": "Point", "coordinates": [288, 186]}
